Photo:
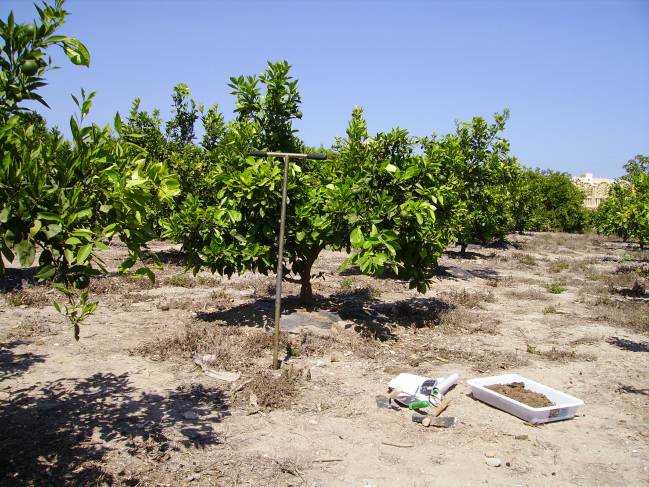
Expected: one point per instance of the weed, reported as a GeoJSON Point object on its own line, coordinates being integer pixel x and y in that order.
{"type": "Point", "coordinates": [28, 297]}
{"type": "Point", "coordinates": [273, 392]}
{"type": "Point", "coordinates": [208, 281]}
{"type": "Point", "coordinates": [346, 285]}
{"type": "Point", "coordinates": [530, 294]}
{"type": "Point", "coordinates": [29, 329]}
{"type": "Point", "coordinates": [558, 266]}
{"type": "Point", "coordinates": [180, 280]}
{"type": "Point", "coordinates": [469, 299]}
{"type": "Point", "coordinates": [525, 259]}
{"type": "Point", "coordinates": [559, 355]}
{"type": "Point", "coordinates": [229, 347]}
{"type": "Point", "coordinates": [550, 310]}
{"type": "Point", "coordinates": [555, 288]}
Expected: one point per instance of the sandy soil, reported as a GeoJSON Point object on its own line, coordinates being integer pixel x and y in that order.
{"type": "Point", "coordinates": [127, 405]}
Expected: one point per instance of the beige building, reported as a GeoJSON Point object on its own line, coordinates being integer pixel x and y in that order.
{"type": "Point", "coordinates": [596, 189]}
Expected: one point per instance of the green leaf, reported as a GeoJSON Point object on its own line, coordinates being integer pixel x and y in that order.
{"type": "Point", "coordinates": [44, 215]}
{"type": "Point", "coordinates": [144, 271]}
{"type": "Point", "coordinates": [356, 238]}
{"type": "Point", "coordinates": [84, 252]}
{"type": "Point", "coordinates": [26, 253]}
{"type": "Point", "coordinates": [35, 228]}
{"type": "Point", "coordinates": [52, 231]}
{"type": "Point", "coordinates": [76, 51]}
{"type": "Point", "coordinates": [46, 272]}
{"type": "Point", "coordinates": [4, 214]}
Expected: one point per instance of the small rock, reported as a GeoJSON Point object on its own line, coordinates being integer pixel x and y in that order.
{"type": "Point", "coordinates": [521, 437]}
{"type": "Point", "coordinates": [191, 478]}
{"type": "Point", "coordinates": [190, 415]}
{"type": "Point", "coordinates": [341, 326]}
{"type": "Point", "coordinates": [508, 464]}
{"type": "Point", "coordinates": [334, 358]}
{"type": "Point", "coordinates": [426, 422]}
{"type": "Point", "coordinates": [164, 307]}
{"type": "Point", "coordinates": [494, 462]}
{"type": "Point", "coordinates": [254, 402]}
{"type": "Point", "coordinates": [247, 292]}
{"type": "Point", "coordinates": [222, 375]}
{"type": "Point", "coordinates": [490, 454]}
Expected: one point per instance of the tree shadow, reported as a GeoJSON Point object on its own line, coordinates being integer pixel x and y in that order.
{"type": "Point", "coordinates": [360, 306]}
{"type": "Point", "coordinates": [171, 256]}
{"type": "Point", "coordinates": [467, 255]}
{"type": "Point", "coordinates": [13, 364]}
{"type": "Point", "coordinates": [622, 389]}
{"type": "Point", "coordinates": [14, 279]}
{"type": "Point", "coordinates": [58, 432]}
{"type": "Point", "coordinates": [628, 345]}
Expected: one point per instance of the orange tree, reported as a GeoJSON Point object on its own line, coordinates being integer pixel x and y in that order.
{"type": "Point", "coordinates": [373, 195]}
{"type": "Point", "coordinates": [61, 199]}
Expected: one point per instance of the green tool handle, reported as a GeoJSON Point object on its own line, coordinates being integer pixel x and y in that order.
{"type": "Point", "coordinates": [418, 404]}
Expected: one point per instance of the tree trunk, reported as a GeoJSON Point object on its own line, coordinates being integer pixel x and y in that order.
{"type": "Point", "coordinates": [463, 247]}
{"type": "Point", "coordinates": [306, 291]}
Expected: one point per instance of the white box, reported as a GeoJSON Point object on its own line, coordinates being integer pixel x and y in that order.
{"type": "Point", "coordinates": [565, 405]}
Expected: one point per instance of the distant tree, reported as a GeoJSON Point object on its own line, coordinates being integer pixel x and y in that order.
{"type": "Point", "coordinates": [548, 201]}
{"type": "Point", "coordinates": [478, 164]}
{"type": "Point", "coordinates": [625, 212]}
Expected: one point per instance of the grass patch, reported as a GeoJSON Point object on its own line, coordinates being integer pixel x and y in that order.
{"type": "Point", "coordinates": [29, 329]}
{"type": "Point", "coordinates": [179, 280]}
{"type": "Point", "coordinates": [556, 288]}
{"type": "Point", "coordinates": [625, 313]}
{"type": "Point", "coordinates": [230, 348]}
{"type": "Point", "coordinates": [29, 297]}
{"type": "Point", "coordinates": [550, 310]}
{"type": "Point", "coordinates": [505, 281]}
{"type": "Point", "coordinates": [468, 299]}
{"type": "Point", "coordinates": [558, 266]}
{"type": "Point", "coordinates": [559, 355]}
{"type": "Point", "coordinates": [530, 294]}
{"type": "Point", "coordinates": [525, 259]}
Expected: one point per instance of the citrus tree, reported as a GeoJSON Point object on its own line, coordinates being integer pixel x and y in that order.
{"type": "Point", "coordinates": [625, 212]}
{"type": "Point", "coordinates": [478, 165]}
{"type": "Point", "coordinates": [547, 201]}
{"type": "Point", "coordinates": [372, 195]}
{"type": "Point", "coordinates": [60, 200]}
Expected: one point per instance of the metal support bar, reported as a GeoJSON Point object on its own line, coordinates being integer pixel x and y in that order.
{"type": "Point", "coordinates": [280, 251]}
{"type": "Point", "coordinates": [280, 267]}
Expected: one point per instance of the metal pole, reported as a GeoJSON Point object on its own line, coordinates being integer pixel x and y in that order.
{"type": "Point", "coordinates": [280, 268]}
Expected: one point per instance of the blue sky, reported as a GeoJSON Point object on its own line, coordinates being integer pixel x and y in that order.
{"type": "Point", "coordinates": [575, 74]}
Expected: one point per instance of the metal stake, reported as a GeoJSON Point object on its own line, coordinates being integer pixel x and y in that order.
{"type": "Point", "coordinates": [280, 251]}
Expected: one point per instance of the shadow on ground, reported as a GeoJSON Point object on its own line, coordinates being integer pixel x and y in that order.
{"type": "Point", "coordinates": [359, 306]}
{"type": "Point", "coordinates": [14, 279]}
{"type": "Point", "coordinates": [13, 364]}
{"type": "Point", "coordinates": [628, 345]}
{"type": "Point", "coordinates": [58, 432]}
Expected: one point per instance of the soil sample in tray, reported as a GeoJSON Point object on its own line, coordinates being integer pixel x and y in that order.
{"type": "Point", "coordinates": [517, 392]}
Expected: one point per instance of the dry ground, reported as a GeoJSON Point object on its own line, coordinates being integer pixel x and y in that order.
{"type": "Point", "coordinates": [127, 405]}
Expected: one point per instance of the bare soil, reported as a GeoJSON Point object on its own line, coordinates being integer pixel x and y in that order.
{"type": "Point", "coordinates": [518, 392]}
{"type": "Point", "coordinates": [133, 402]}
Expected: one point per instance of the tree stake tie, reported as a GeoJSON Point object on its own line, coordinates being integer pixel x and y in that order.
{"type": "Point", "coordinates": [280, 253]}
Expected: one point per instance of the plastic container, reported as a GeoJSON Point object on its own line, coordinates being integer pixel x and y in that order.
{"type": "Point", "coordinates": [565, 405]}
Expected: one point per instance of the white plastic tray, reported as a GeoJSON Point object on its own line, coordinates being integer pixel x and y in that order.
{"type": "Point", "coordinates": [565, 405]}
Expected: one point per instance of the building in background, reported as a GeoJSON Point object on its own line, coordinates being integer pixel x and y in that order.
{"type": "Point", "coordinates": [595, 189]}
